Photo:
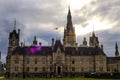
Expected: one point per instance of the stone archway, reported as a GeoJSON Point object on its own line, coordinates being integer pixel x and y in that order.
{"type": "Point", "coordinates": [59, 70]}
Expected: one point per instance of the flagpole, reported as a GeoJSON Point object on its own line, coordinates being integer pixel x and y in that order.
{"type": "Point", "coordinates": [57, 33]}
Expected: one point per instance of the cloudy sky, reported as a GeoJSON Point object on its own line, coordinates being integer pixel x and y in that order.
{"type": "Point", "coordinates": [40, 17]}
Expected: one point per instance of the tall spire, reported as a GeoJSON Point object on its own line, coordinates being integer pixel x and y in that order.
{"type": "Point", "coordinates": [15, 24]}
{"type": "Point", "coordinates": [69, 20]}
{"type": "Point", "coordinates": [69, 31]}
{"type": "Point", "coordinates": [116, 50]}
{"type": "Point", "coordinates": [116, 46]}
{"type": "Point", "coordinates": [93, 33]}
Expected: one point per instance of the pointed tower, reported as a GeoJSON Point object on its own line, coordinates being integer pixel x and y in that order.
{"type": "Point", "coordinates": [14, 37]}
{"type": "Point", "coordinates": [35, 41]}
{"type": "Point", "coordinates": [84, 42]}
{"type": "Point", "coordinates": [93, 40]}
{"type": "Point", "coordinates": [116, 51]}
{"type": "Point", "coordinates": [69, 32]}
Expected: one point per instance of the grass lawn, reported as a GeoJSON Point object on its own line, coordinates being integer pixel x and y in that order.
{"type": "Point", "coordinates": [57, 79]}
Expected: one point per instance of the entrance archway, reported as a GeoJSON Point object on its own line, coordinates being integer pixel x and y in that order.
{"type": "Point", "coordinates": [59, 70]}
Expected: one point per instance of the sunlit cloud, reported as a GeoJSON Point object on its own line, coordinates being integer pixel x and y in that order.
{"type": "Point", "coordinates": [95, 24]}
{"type": "Point", "coordinates": [78, 4]}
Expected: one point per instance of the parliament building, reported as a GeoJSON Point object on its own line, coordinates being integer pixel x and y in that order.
{"type": "Point", "coordinates": [60, 59]}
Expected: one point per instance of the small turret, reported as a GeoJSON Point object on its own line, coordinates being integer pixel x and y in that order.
{"type": "Point", "coordinates": [116, 51]}
{"type": "Point", "coordinates": [93, 40]}
{"type": "Point", "coordinates": [40, 44]}
{"type": "Point", "coordinates": [102, 47]}
{"type": "Point", "coordinates": [35, 41]}
{"type": "Point", "coordinates": [84, 42]}
{"type": "Point", "coordinates": [19, 31]}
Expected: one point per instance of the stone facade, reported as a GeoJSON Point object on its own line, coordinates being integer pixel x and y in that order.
{"type": "Point", "coordinates": [58, 60]}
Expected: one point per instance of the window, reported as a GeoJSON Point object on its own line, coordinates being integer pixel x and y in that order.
{"type": "Point", "coordinates": [73, 62]}
{"type": "Point", "coordinates": [73, 68]}
{"type": "Point", "coordinates": [43, 68]}
{"type": "Point", "coordinates": [58, 52]}
{"type": "Point", "coordinates": [16, 61]}
{"type": "Point", "coordinates": [27, 69]}
{"type": "Point", "coordinates": [66, 69]}
{"type": "Point", "coordinates": [50, 62]}
{"type": "Point", "coordinates": [50, 69]}
{"type": "Point", "coordinates": [36, 69]}
{"type": "Point", "coordinates": [82, 69]}
{"type": "Point", "coordinates": [35, 61]}
{"type": "Point", "coordinates": [27, 62]}
{"type": "Point", "coordinates": [16, 68]}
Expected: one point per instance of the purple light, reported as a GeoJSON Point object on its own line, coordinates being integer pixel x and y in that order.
{"type": "Point", "coordinates": [32, 50]}
{"type": "Point", "coordinates": [35, 49]}
{"type": "Point", "coordinates": [38, 48]}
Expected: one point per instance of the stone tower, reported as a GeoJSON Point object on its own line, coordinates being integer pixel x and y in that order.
{"type": "Point", "coordinates": [14, 38]}
{"type": "Point", "coordinates": [93, 40]}
{"type": "Point", "coordinates": [116, 51]}
{"type": "Point", "coordinates": [69, 32]}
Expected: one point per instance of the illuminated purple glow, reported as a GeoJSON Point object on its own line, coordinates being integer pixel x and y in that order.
{"type": "Point", "coordinates": [32, 50]}
{"type": "Point", "coordinates": [35, 49]}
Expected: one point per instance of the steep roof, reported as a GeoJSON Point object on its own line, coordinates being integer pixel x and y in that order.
{"type": "Point", "coordinates": [33, 50]}
{"type": "Point", "coordinates": [47, 50]}
{"type": "Point", "coordinates": [14, 33]}
{"type": "Point", "coordinates": [57, 45]}
{"type": "Point", "coordinates": [83, 51]}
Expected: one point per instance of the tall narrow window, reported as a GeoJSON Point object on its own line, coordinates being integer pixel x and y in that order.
{"type": "Point", "coordinates": [27, 61]}
{"type": "Point", "coordinates": [27, 69]}
{"type": "Point", "coordinates": [50, 69]}
{"type": "Point", "coordinates": [66, 69]}
{"type": "Point", "coordinates": [36, 68]}
{"type": "Point", "coordinates": [73, 62]}
{"type": "Point", "coordinates": [73, 68]}
{"type": "Point", "coordinates": [35, 61]}
{"type": "Point", "coordinates": [43, 68]}
{"type": "Point", "coordinates": [16, 68]}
